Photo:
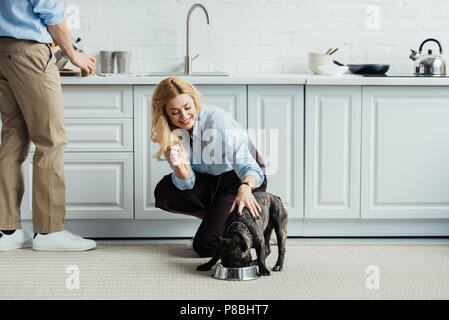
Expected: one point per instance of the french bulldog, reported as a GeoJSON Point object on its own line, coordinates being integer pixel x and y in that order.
{"type": "Point", "coordinates": [242, 233]}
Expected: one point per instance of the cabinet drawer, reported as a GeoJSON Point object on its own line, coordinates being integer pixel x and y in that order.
{"type": "Point", "coordinates": [98, 135]}
{"type": "Point", "coordinates": [98, 101]}
{"type": "Point", "coordinates": [98, 186]}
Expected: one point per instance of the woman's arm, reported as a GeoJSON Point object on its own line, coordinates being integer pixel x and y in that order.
{"type": "Point", "coordinates": [181, 172]}
{"type": "Point", "coordinates": [235, 145]}
{"type": "Point", "coordinates": [182, 178]}
{"type": "Point", "coordinates": [246, 199]}
{"type": "Point", "coordinates": [252, 179]}
{"type": "Point", "coordinates": [246, 168]}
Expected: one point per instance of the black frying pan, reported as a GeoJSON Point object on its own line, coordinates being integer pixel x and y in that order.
{"type": "Point", "coordinates": [366, 68]}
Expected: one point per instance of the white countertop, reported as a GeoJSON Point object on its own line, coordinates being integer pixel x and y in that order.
{"type": "Point", "coordinates": [153, 80]}
{"type": "Point", "coordinates": [298, 79]}
{"type": "Point", "coordinates": [353, 79]}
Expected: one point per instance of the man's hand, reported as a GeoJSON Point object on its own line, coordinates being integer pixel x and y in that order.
{"type": "Point", "coordinates": [61, 36]}
{"type": "Point", "coordinates": [84, 61]}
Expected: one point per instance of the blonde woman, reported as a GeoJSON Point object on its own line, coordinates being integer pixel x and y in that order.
{"type": "Point", "coordinates": [215, 166]}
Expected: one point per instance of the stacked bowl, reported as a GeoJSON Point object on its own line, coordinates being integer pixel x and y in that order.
{"type": "Point", "coordinates": [324, 64]}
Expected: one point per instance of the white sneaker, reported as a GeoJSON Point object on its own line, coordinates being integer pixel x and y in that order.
{"type": "Point", "coordinates": [62, 241]}
{"type": "Point", "coordinates": [19, 239]}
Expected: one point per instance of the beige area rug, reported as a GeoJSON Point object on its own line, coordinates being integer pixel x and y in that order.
{"type": "Point", "coordinates": [121, 270]}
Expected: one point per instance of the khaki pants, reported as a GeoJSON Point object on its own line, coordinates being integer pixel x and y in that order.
{"type": "Point", "coordinates": [31, 111]}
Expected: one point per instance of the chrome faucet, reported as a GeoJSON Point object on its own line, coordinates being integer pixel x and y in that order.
{"type": "Point", "coordinates": [188, 60]}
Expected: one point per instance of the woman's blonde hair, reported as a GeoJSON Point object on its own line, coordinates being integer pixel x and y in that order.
{"type": "Point", "coordinates": [161, 127]}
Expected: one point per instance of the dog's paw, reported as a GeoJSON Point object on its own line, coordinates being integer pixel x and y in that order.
{"type": "Point", "coordinates": [277, 268]}
{"type": "Point", "coordinates": [264, 271]}
{"type": "Point", "coordinates": [204, 267]}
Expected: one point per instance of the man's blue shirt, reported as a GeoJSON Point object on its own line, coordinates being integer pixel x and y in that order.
{"type": "Point", "coordinates": [28, 19]}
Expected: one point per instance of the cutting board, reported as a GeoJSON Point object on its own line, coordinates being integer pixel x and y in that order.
{"type": "Point", "coordinates": [69, 73]}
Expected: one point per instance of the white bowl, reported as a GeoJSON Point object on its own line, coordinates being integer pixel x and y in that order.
{"type": "Point", "coordinates": [314, 55]}
{"type": "Point", "coordinates": [317, 59]}
{"type": "Point", "coordinates": [315, 65]}
{"type": "Point", "coordinates": [333, 70]}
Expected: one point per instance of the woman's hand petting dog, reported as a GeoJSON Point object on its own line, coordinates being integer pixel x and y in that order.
{"type": "Point", "coordinates": [246, 199]}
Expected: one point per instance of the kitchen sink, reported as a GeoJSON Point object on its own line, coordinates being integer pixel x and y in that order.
{"type": "Point", "coordinates": [182, 74]}
{"type": "Point", "coordinates": [167, 74]}
{"type": "Point", "coordinates": [187, 59]}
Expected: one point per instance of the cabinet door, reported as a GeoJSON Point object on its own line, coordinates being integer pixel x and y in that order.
{"type": "Point", "coordinates": [333, 120]}
{"type": "Point", "coordinates": [405, 154]}
{"type": "Point", "coordinates": [149, 171]}
{"type": "Point", "coordinates": [98, 135]}
{"type": "Point", "coordinates": [96, 101]}
{"type": "Point", "coordinates": [98, 186]}
{"type": "Point", "coordinates": [276, 126]}
{"type": "Point", "coordinates": [230, 98]}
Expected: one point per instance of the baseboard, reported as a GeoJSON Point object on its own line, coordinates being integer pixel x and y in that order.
{"type": "Point", "coordinates": [186, 228]}
{"type": "Point", "coordinates": [375, 228]}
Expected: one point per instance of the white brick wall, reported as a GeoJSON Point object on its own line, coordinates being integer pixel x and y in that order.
{"type": "Point", "coordinates": [261, 36]}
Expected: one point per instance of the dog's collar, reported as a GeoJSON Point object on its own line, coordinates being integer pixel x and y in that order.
{"type": "Point", "coordinates": [238, 222]}
{"type": "Point", "coordinates": [244, 227]}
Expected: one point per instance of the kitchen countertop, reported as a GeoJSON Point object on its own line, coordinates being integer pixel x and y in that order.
{"type": "Point", "coordinates": [153, 80]}
{"type": "Point", "coordinates": [298, 79]}
{"type": "Point", "coordinates": [353, 79]}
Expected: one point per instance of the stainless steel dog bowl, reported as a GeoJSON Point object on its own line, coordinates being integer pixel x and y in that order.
{"type": "Point", "coordinates": [236, 274]}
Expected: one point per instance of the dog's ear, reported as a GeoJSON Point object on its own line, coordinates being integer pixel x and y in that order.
{"type": "Point", "coordinates": [239, 241]}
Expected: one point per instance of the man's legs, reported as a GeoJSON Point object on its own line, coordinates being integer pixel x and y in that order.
{"type": "Point", "coordinates": [14, 148]}
{"type": "Point", "coordinates": [34, 80]}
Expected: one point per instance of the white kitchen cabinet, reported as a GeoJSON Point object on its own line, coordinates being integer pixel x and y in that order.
{"type": "Point", "coordinates": [276, 113]}
{"type": "Point", "coordinates": [149, 171]}
{"type": "Point", "coordinates": [98, 135]}
{"type": "Point", "coordinates": [332, 151]}
{"type": "Point", "coordinates": [98, 186]}
{"type": "Point", "coordinates": [373, 160]}
{"type": "Point", "coordinates": [405, 153]}
{"type": "Point", "coordinates": [96, 101]}
{"type": "Point", "coordinates": [231, 98]}
{"type": "Point", "coordinates": [98, 162]}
